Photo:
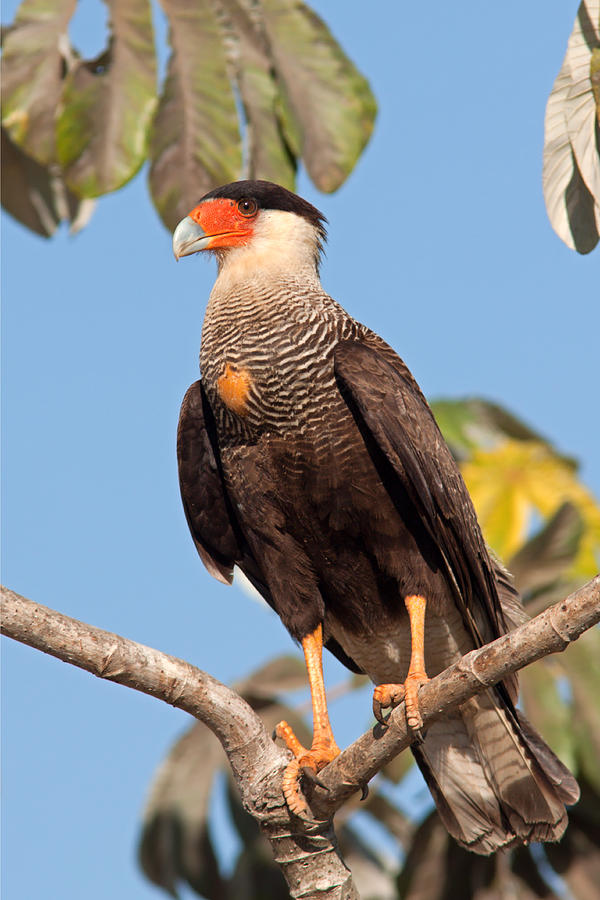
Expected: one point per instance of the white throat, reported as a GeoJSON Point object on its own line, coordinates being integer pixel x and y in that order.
{"type": "Point", "coordinates": [283, 244]}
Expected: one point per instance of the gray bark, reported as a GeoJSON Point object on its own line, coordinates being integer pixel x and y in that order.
{"type": "Point", "coordinates": [307, 852]}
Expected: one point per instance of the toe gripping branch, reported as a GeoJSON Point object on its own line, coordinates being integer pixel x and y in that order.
{"type": "Point", "coordinates": [390, 695]}
{"type": "Point", "coordinates": [308, 763]}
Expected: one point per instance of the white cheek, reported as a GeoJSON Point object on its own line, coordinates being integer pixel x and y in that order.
{"type": "Point", "coordinates": [281, 242]}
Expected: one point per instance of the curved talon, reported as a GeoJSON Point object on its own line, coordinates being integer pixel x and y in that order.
{"type": "Point", "coordinates": [296, 802]}
{"type": "Point", "coordinates": [384, 696]}
{"type": "Point", "coordinates": [309, 773]}
{"type": "Point", "coordinates": [378, 713]}
{"type": "Point", "coordinates": [364, 792]}
{"type": "Point", "coordinates": [306, 764]}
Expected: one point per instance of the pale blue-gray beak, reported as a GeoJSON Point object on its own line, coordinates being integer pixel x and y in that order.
{"type": "Point", "coordinates": [189, 238]}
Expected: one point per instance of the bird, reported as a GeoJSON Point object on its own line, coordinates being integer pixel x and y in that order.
{"type": "Point", "coordinates": [309, 458]}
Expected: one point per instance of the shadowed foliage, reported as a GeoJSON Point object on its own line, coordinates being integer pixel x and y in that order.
{"type": "Point", "coordinates": [251, 89]}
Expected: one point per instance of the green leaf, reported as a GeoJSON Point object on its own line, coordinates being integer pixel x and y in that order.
{"type": "Point", "coordinates": [330, 100]}
{"type": "Point", "coordinates": [33, 60]}
{"type": "Point", "coordinates": [37, 197]}
{"type": "Point", "coordinates": [196, 141]}
{"type": "Point", "coordinates": [517, 479]}
{"type": "Point", "coordinates": [547, 555]}
{"type": "Point", "coordinates": [268, 154]}
{"type": "Point", "coordinates": [474, 423]}
{"type": "Point", "coordinates": [107, 105]}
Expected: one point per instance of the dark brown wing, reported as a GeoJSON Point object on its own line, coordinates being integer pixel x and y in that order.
{"type": "Point", "coordinates": [207, 507]}
{"type": "Point", "coordinates": [399, 428]}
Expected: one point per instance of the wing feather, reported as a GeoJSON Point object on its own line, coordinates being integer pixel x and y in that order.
{"type": "Point", "coordinates": [208, 509]}
{"type": "Point", "coordinates": [202, 489]}
{"type": "Point", "coordinates": [385, 398]}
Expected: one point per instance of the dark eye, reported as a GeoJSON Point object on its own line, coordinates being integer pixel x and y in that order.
{"type": "Point", "coordinates": [247, 207]}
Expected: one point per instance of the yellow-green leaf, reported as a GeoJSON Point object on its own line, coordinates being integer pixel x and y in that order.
{"type": "Point", "coordinates": [516, 480]}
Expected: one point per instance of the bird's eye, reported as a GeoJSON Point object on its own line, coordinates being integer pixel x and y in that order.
{"type": "Point", "coordinates": [247, 207]}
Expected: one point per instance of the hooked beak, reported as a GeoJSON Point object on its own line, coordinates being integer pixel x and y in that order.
{"type": "Point", "coordinates": [189, 238]}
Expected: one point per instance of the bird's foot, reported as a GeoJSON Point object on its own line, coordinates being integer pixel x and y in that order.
{"type": "Point", "coordinates": [391, 695]}
{"type": "Point", "coordinates": [386, 696]}
{"type": "Point", "coordinates": [413, 682]}
{"type": "Point", "coordinates": [306, 764]}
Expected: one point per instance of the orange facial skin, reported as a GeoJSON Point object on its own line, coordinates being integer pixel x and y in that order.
{"type": "Point", "coordinates": [222, 220]}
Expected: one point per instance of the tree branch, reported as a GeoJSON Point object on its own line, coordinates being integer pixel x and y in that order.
{"type": "Point", "coordinates": [311, 863]}
{"type": "Point", "coordinates": [308, 857]}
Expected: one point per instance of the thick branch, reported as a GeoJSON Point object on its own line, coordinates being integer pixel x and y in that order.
{"type": "Point", "coordinates": [256, 762]}
{"type": "Point", "coordinates": [311, 864]}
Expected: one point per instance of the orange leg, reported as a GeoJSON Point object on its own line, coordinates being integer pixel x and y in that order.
{"type": "Point", "coordinates": [324, 747]}
{"type": "Point", "coordinates": [392, 694]}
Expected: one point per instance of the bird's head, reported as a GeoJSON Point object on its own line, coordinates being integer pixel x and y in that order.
{"type": "Point", "coordinates": [254, 223]}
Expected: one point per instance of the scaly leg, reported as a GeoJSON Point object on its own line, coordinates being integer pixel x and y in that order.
{"type": "Point", "coordinates": [324, 747]}
{"type": "Point", "coordinates": [386, 695]}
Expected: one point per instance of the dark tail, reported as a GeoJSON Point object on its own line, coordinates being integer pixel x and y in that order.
{"type": "Point", "coordinates": [494, 780]}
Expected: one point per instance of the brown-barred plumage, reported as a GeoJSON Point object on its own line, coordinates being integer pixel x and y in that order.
{"type": "Point", "coordinates": [332, 489]}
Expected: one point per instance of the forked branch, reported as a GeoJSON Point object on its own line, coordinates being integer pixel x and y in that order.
{"type": "Point", "coordinates": [310, 861]}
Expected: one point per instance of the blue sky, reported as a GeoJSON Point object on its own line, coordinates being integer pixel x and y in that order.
{"type": "Point", "coordinates": [439, 241]}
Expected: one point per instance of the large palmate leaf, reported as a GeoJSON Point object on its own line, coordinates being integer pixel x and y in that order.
{"type": "Point", "coordinates": [571, 171]}
{"type": "Point", "coordinates": [517, 480]}
{"type": "Point", "coordinates": [268, 147]}
{"type": "Point", "coordinates": [334, 126]}
{"type": "Point", "coordinates": [37, 197]}
{"type": "Point", "coordinates": [107, 105]}
{"type": "Point", "coordinates": [540, 563]}
{"type": "Point", "coordinates": [196, 139]}
{"type": "Point", "coordinates": [515, 477]}
{"type": "Point", "coordinates": [33, 59]}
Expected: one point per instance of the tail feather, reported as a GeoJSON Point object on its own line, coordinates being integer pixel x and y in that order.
{"type": "Point", "coordinates": [494, 780]}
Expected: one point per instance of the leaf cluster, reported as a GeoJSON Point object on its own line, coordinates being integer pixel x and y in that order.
{"type": "Point", "coordinates": [252, 87]}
